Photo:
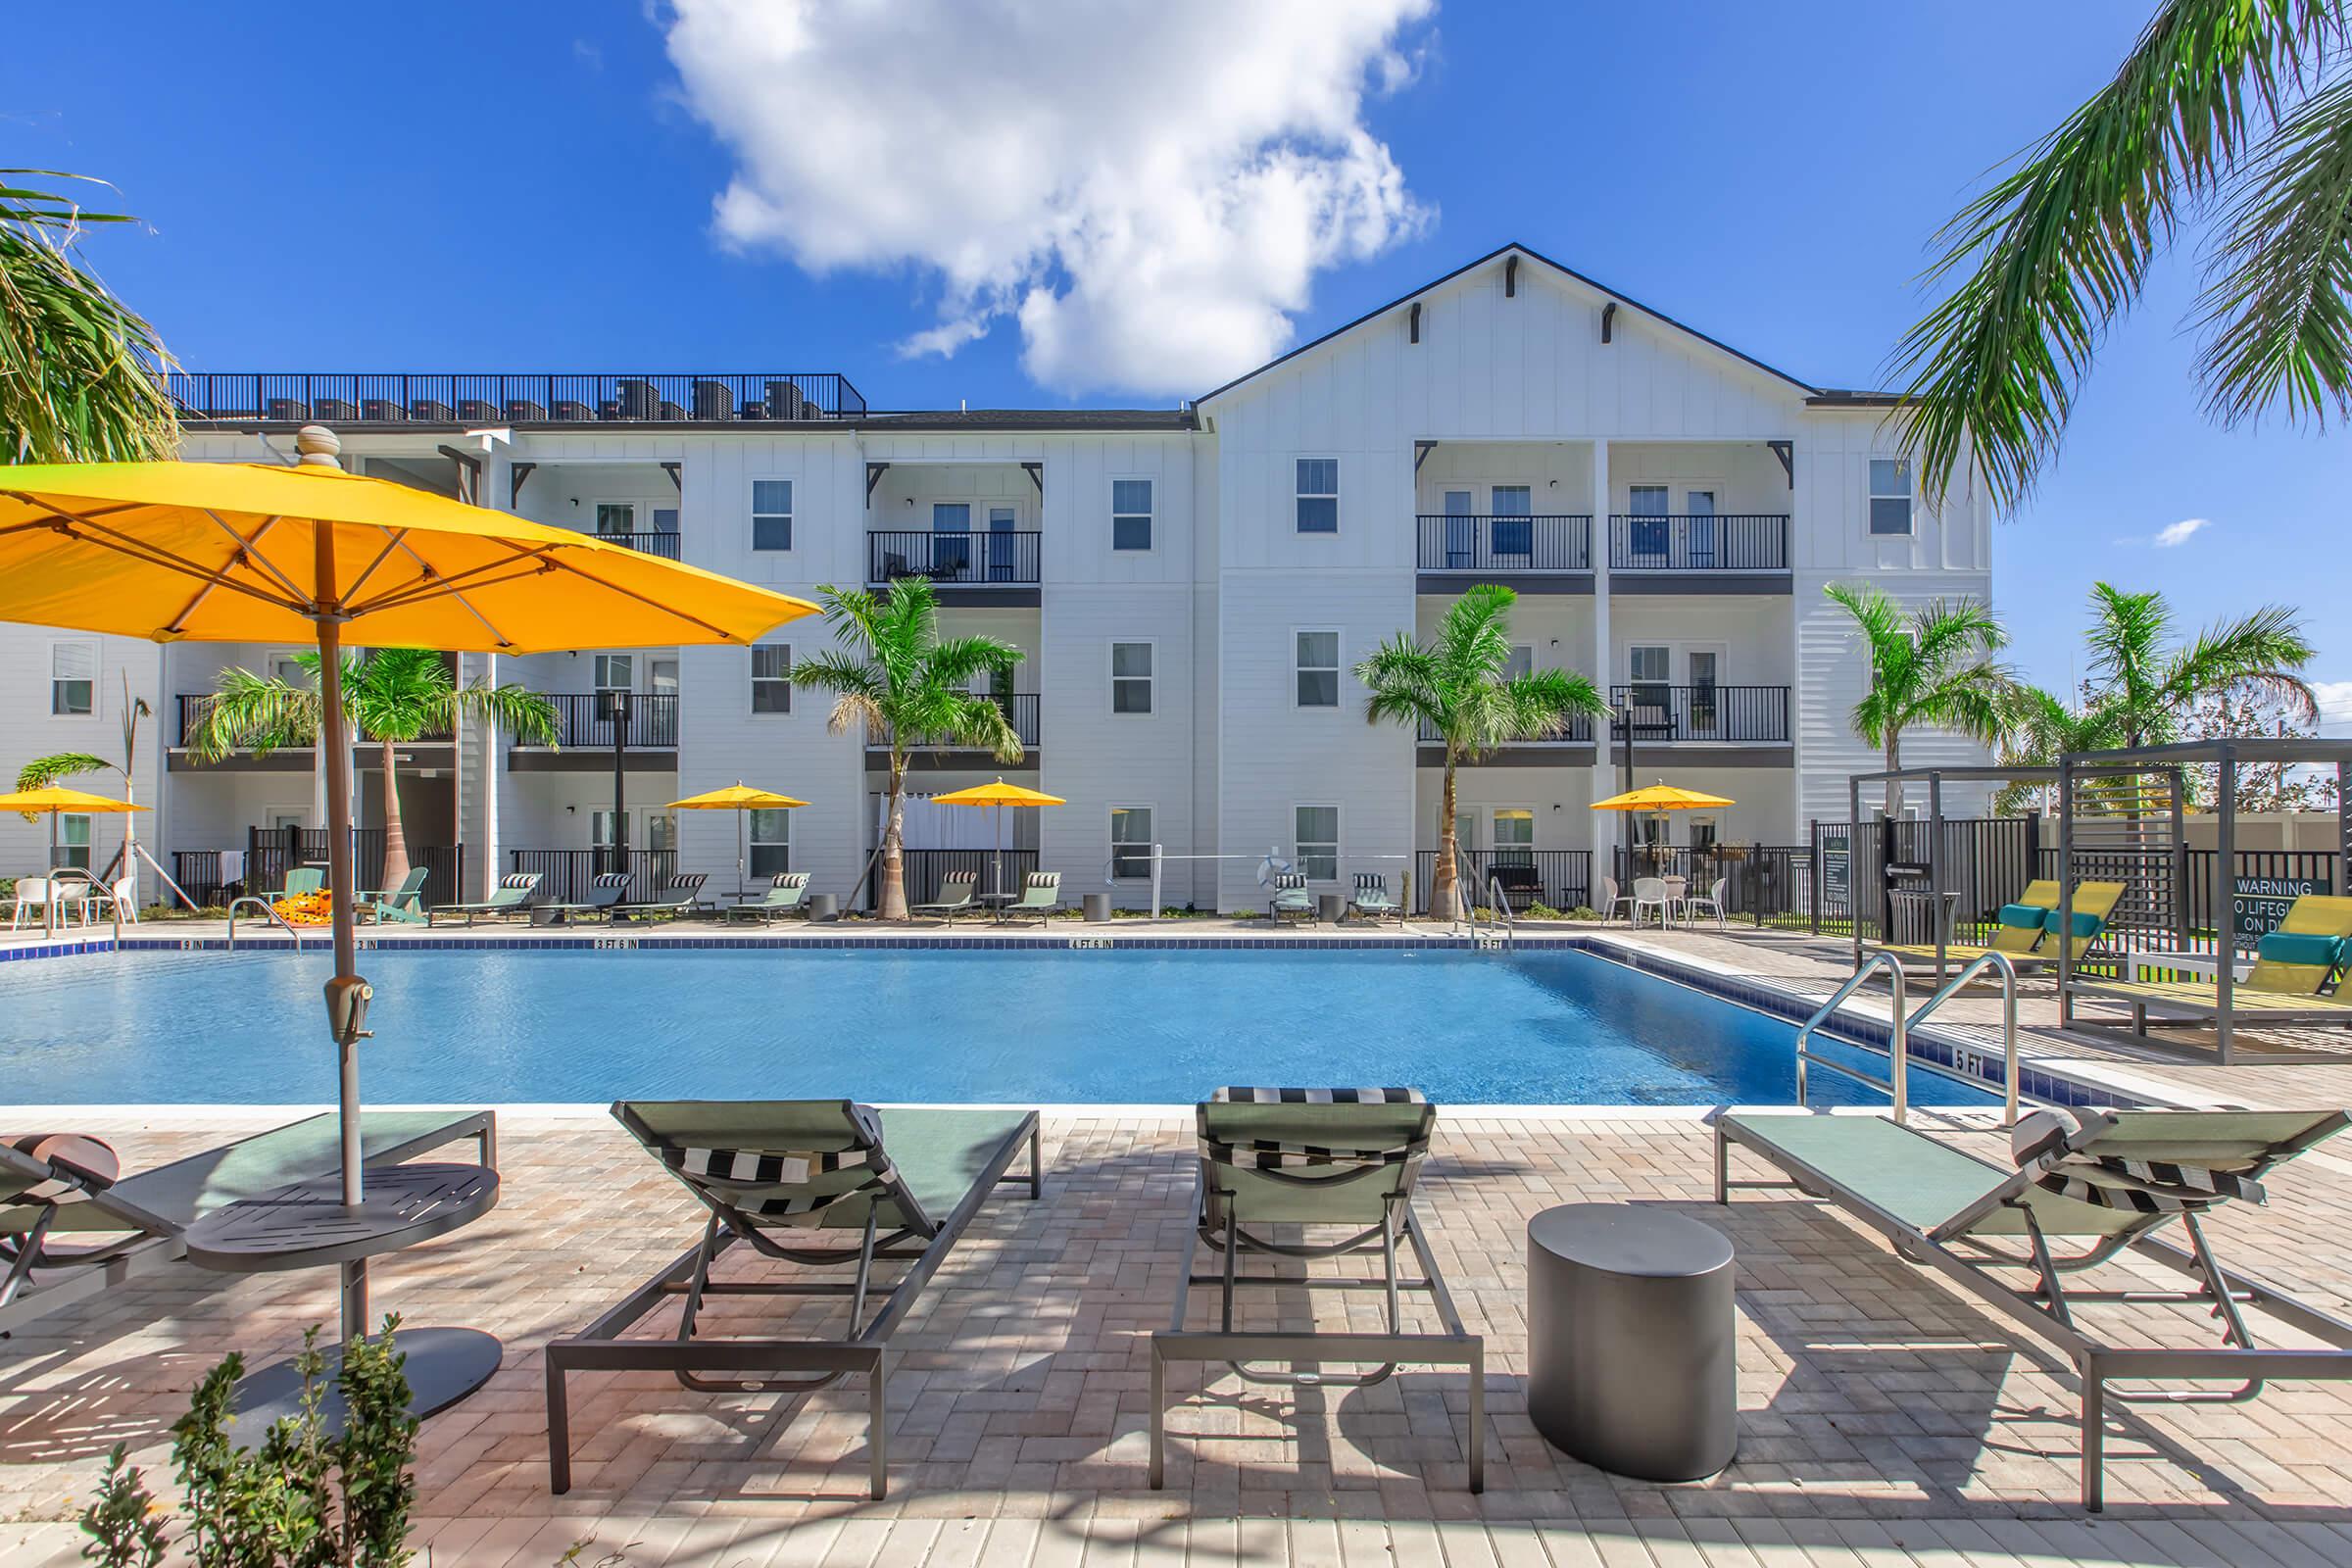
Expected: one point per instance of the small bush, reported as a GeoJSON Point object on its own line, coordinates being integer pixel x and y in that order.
{"type": "Point", "coordinates": [1583, 911]}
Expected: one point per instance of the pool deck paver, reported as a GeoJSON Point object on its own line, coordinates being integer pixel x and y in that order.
{"type": "Point", "coordinates": [1886, 1419]}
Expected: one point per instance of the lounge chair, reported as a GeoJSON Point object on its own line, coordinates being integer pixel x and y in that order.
{"type": "Point", "coordinates": [680, 892]}
{"type": "Point", "coordinates": [2027, 929]}
{"type": "Point", "coordinates": [405, 902]}
{"type": "Point", "coordinates": [955, 893]}
{"type": "Point", "coordinates": [606, 890]}
{"type": "Point", "coordinates": [2293, 967]}
{"type": "Point", "coordinates": [1041, 895]}
{"type": "Point", "coordinates": [1372, 900]}
{"type": "Point", "coordinates": [137, 1224]}
{"type": "Point", "coordinates": [2103, 1181]}
{"type": "Point", "coordinates": [511, 898]}
{"type": "Point", "coordinates": [787, 893]}
{"type": "Point", "coordinates": [774, 1174]}
{"type": "Point", "coordinates": [1291, 899]}
{"type": "Point", "coordinates": [1321, 1157]}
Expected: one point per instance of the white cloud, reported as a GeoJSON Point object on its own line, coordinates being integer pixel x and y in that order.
{"type": "Point", "coordinates": [1148, 189]}
{"type": "Point", "coordinates": [2179, 534]}
{"type": "Point", "coordinates": [2335, 705]}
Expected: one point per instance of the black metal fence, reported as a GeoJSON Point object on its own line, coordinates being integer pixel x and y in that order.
{"type": "Point", "coordinates": [997, 555]}
{"type": "Point", "coordinates": [1765, 882]}
{"type": "Point", "coordinates": [1730, 542]}
{"type": "Point", "coordinates": [926, 870]}
{"type": "Point", "coordinates": [637, 719]}
{"type": "Point", "coordinates": [566, 876]}
{"type": "Point", "coordinates": [1662, 713]}
{"type": "Point", "coordinates": [1483, 542]}
{"type": "Point", "coordinates": [1559, 878]}
{"type": "Point", "coordinates": [660, 542]}
{"type": "Point", "coordinates": [400, 397]}
{"type": "Point", "coordinates": [1020, 710]}
{"type": "Point", "coordinates": [270, 852]}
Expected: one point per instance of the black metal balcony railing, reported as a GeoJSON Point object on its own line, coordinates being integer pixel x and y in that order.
{"type": "Point", "coordinates": [193, 704]}
{"type": "Point", "coordinates": [1661, 713]}
{"type": "Point", "coordinates": [465, 399]}
{"type": "Point", "coordinates": [1020, 708]}
{"type": "Point", "coordinates": [1450, 542]}
{"type": "Point", "coordinates": [664, 545]}
{"type": "Point", "coordinates": [1732, 542]}
{"type": "Point", "coordinates": [635, 719]}
{"type": "Point", "coordinates": [1578, 731]}
{"type": "Point", "coordinates": [995, 556]}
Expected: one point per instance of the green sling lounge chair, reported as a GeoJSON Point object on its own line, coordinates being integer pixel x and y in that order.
{"type": "Point", "coordinates": [1372, 900]}
{"type": "Point", "coordinates": [787, 894]}
{"type": "Point", "coordinates": [2291, 968]}
{"type": "Point", "coordinates": [135, 1224]}
{"type": "Point", "coordinates": [512, 898]}
{"type": "Point", "coordinates": [1291, 900]}
{"type": "Point", "coordinates": [1314, 1158]}
{"type": "Point", "coordinates": [2088, 1186]}
{"type": "Point", "coordinates": [2027, 929]}
{"type": "Point", "coordinates": [605, 893]}
{"type": "Point", "coordinates": [955, 892]}
{"type": "Point", "coordinates": [775, 1175]}
{"type": "Point", "coordinates": [677, 899]}
{"type": "Point", "coordinates": [1041, 895]}
{"type": "Point", "coordinates": [405, 902]}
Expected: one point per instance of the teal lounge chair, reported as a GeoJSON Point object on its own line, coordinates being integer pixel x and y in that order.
{"type": "Point", "coordinates": [605, 893]}
{"type": "Point", "coordinates": [2086, 1187]}
{"type": "Point", "coordinates": [405, 902]}
{"type": "Point", "coordinates": [1041, 895]}
{"type": "Point", "coordinates": [679, 895]}
{"type": "Point", "coordinates": [777, 1176]}
{"type": "Point", "coordinates": [1310, 1160]}
{"type": "Point", "coordinates": [1372, 900]}
{"type": "Point", "coordinates": [1291, 901]}
{"type": "Point", "coordinates": [512, 898]}
{"type": "Point", "coordinates": [787, 894]}
{"type": "Point", "coordinates": [300, 880]}
{"type": "Point", "coordinates": [136, 1225]}
{"type": "Point", "coordinates": [956, 891]}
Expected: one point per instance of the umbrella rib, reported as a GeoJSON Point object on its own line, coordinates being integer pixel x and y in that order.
{"type": "Point", "coordinates": [250, 550]}
{"type": "Point", "coordinates": [630, 593]}
{"type": "Point", "coordinates": [106, 538]}
{"type": "Point", "coordinates": [428, 580]}
{"type": "Point", "coordinates": [206, 592]}
{"type": "Point", "coordinates": [392, 539]}
{"type": "Point", "coordinates": [51, 508]}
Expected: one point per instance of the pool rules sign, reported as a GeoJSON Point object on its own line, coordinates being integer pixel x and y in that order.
{"type": "Point", "coordinates": [2258, 903]}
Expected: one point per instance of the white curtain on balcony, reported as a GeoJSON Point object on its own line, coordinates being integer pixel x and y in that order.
{"type": "Point", "coordinates": [931, 826]}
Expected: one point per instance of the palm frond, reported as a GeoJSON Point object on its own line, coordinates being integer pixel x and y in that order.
{"type": "Point", "coordinates": [43, 772]}
{"type": "Point", "coordinates": [259, 712]}
{"type": "Point", "coordinates": [1405, 683]}
{"type": "Point", "coordinates": [530, 718]}
{"type": "Point", "coordinates": [2259, 653]}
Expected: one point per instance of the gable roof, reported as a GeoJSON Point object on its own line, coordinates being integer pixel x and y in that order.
{"type": "Point", "coordinates": [1808, 388]}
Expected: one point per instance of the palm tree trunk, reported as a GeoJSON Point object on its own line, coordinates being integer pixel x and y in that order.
{"type": "Point", "coordinates": [396, 838]}
{"type": "Point", "coordinates": [1445, 883]}
{"type": "Point", "coordinates": [1894, 759]}
{"type": "Point", "coordinates": [891, 904]}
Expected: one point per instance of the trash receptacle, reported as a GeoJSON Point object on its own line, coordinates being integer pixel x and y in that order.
{"type": "Point", "coordinates": [825, 906]}
{"type": "Point", "coordinates": [1098, 909]}
{"type": "Point", "coordinates": [1330, 906]}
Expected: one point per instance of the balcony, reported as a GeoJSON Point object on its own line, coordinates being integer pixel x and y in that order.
{"type": "Point", "coordinates": [1570, 744]}
{"type": "Point", "coordinates": [1020, 710]}
{"type": "Point", "coordinates": [592, 727]}
{"type": "Point", "coordinates": [1664, 715]}
{"type": "Point", "coordinates": [996, 568]}
{"type": "Point", "coordinates": [284, 759]}
{"type": "Point", "coordinates": [1552, 553]}
{"type": "Point", "coordinates": [770, 397]}
{"type": "Point", "coordinates": [1729, 552]}
{"type": "Point", "coordinates": [664, 545]}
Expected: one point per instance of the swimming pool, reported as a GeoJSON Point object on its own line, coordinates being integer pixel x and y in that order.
{"type": "Point", "coordinates": [1125, 1026]}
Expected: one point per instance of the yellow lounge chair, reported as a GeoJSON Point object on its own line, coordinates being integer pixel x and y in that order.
{"type": "Point", "coordinates": [2028, 944]}
{"type": "Point", "coordinates": [2284, 986]}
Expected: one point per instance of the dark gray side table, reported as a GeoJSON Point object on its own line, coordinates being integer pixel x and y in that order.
{"type": "Point", "coordinates": [1632, 1339]}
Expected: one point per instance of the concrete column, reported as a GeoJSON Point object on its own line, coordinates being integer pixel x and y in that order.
{"type": "Point", "coordinates": [1604, 823]}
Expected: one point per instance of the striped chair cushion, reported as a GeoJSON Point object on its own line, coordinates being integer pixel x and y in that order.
{"type": "Point", "coordinates": [1265, 1153]}
{"type": "Point", "coordinates": [2110, 1181]}
{"type": "Point", "coordinates": [774, 1182]}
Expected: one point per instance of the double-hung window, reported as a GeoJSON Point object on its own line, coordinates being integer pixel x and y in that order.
{"type": "Point", "coordinates": [1318, 663]}
{"type": "Point", "coordinates": [771, 677]}
{"type": "Point", "coordinates": [1316, 842]}
{"type": "Point", "coordinates": [1131, 678]}
{"type": "Point", "coordinates": [72, 841]}
{"type": "Point", "coordinates": [1514, 836]}
{"type": "Point", "coordinates": [72, 679]}
{"type": "Point", "coordinates": [1130, 513]}
{"type": "Point", "coordinates": [1513, 534]}
{"type": "Point", "coordinates": [772, 842]}
{"type": "Point", "coordinates": [1130, 842]}
{"type": "Point", "coordinates": [1318, 495]}
{"type": "Point", "coordinates": [1890, 495]}
{"type": "Point", "coordinates": [771, 514]}
{"type": "Point", "coordinates": [1645, 532]}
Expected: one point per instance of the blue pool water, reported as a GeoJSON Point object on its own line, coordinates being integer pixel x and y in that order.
{"type": "Point", "coordinates": [1053, 1026]}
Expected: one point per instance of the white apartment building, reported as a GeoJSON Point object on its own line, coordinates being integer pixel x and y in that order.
{"type": "Point", "coordinates": [1190, 589]}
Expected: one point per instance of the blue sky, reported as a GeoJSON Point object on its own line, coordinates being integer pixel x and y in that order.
{"type": "Point", "coordinates": [531, 186]}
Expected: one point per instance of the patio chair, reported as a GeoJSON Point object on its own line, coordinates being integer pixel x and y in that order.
{"type": "Point", "coordinates": [680, 892]}
{"type": "Point", "coordinates": [511, 896]}
{"type": "Point", "coordinates": [1315, 1158]}
{"type": "Point", "coordinates": [1372, 900]}
{"type": "Point", "coordinates": [2025, 929]}
{"type": "Point", "coordinates": [787, 893]}
{"type": "Point", "coordinates": [606, 890]}
{"type": "Point", "coordinates": [1650, 893]}
{"type": "Point", "coordinates": [35, 893]}
{"type": "Point", "coordinates": [51, 1189]}
{"type": "Point", "coordinates": [1611, 899]}
{"type": "Point", "coordinates": [1041, 895]}
{"type": "Point", "coordinates": [301, 879]}
{"type": "Point", "coordinates": [2287, 984]}
{"type": "Point", "coordinates": [1292, 899]}
{"type": "Point", "coordinates": [1710, 901]}
{"type": "Point", "coordinates": [405, 902]}
{"type": "Point", "coordinates": [2102, 1182]}
{"type": "Point", "coordinates": [774, 1175]}
{"type": "Point", "coordinates": [955, 894]}
{"type": "Point", "coordinates": [119, 898]}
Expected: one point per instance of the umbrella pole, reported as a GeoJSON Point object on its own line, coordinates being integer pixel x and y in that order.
{"type": "Point", "coordinates": [49, 881]}
{"type": "Point", "coordinates": [344, 1029]}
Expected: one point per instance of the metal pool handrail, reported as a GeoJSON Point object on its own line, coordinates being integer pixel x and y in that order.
{"type": "Point", "coordinates": [1499, 909]}
{"type": "Point", "coordinates": [1900, 1049]}
{"type": "Point", "coordinates": [268, 912]}
{"type": "Point", "coordinates": [2008, 973]}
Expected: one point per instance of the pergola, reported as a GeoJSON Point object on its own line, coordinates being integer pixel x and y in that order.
{"type": "Point", "coordinates": [2126, 770]}
{"type": "Point", "coordinates": [1935, 778]}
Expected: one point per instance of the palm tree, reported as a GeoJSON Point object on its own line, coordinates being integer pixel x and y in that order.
{"type": "Point", "coordinates": [2228, 107]}
{"type": "Point", "coordinates": [2042, 727]}
{"type": "Point", "coordinates": [78, 368]}
{"type": "Point", "coordinates": [394, 697]}
{"type": "Point", "coordinates": [900, 679]}
{"type": "Point", "coordinates": [1458, 685]}
{"type": "Point", "coordinates": [1932, 664]}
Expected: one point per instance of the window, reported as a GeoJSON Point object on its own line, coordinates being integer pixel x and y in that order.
{"type": "Point", "coordinates": [1521, 663]}
{"type": "Point", "coordinates": [616, 672]}
{"type": "Point", "coordinates": [771, 514]}
{"type": "Point", "coordinates": [1890, 495]}
{"type": "Point", "coordinates": [662, 832]}
{"type": "Point", "coordinates": [600, 829]}
{"type": "Point", "coordinates": [1130, 842]}
{"type": "Point", "coordinates": [1513, 535]}
{"type": "Point", "coordinates": [772, 842]}
{"type": "Point", "coordinates": [1650, 695]}
{"type": "Point", "coordinates": [72, 679]}
{"type": "Point", "coordinates": [1318, 656]}
{"type": "Point", "coordinates": [1131, 678]}
{"type": "Point", "coordinates": [771, 677]}
{"type": "Point", "coordinates": [1004, 552]}
{"type": "Point", "coordinates": [1318, 495]}
{"type": "Point", "coordinates": [951, 540]}
{"type": "Point", "coordinates": [1514, 836]}
{"type": "Point", "coordinates": [1316, 847]}
{"type": "Point", "coordinates": [73, 840]}
{"type": "Point", "coordinates": [616, 517]}
{"type": "Point", "coordinates": [1130, 513]}
{"type": "Point", "coordinates": [1646, 533]}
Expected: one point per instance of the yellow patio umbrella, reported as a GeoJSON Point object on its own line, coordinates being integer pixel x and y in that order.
{"type": "Point", "coordinates": [999, 795]}
{"type": "Point", "coordinates": [1661, 798]}
{"type": "Point", "coordinates": [221, 552]}
{"type": "Point", "coordinates": [739, 798]}
{"type": "Point", "coordinates": [54, 799]}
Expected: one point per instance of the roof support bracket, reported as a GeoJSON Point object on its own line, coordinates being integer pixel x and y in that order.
{"type": "Point", "coordinates": [1421, 452]}
{"type": "Point", "coordinates": [1608, 321]}
{"type": "Point", "coordinates": [676, 482]}
{"type": "Point", "coordinates": [1414, 319]}
{"type": "Point", "coordinates": [873, 477]}
{"type": "Point", "coordinates": [1786, 451]}
{"type": "Point", "coordinates": [469, 474]}
{"type": "Point", "coordinates": [1037, 476]}
{"type": "Point", "coordinates": [516, 472]}
{"type": "Point", "coordinates": [1510, 277]}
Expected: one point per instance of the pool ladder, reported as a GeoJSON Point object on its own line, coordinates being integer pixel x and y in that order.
{"type": "Point", "coordinates": [1897, 1083]}
{"type": "Point", "coordinates": [269, 914]}
{"type": "Point", "coordinates": [1499, 918]}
